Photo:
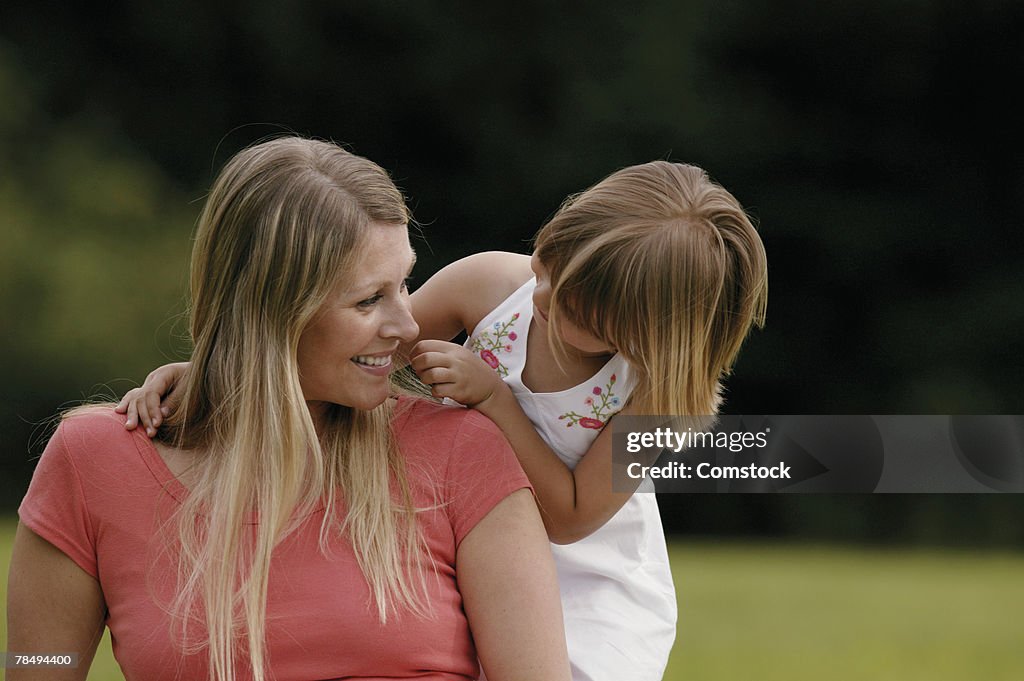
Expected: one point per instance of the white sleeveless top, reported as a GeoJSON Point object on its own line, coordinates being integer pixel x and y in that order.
{"type": "Point", "coordinates": [618, 598]}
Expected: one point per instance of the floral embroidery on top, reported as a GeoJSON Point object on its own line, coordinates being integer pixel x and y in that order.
{"type": "Point", "coordinates": [495, 341]}
{"type": "Point", "coordinates": [603, 404]}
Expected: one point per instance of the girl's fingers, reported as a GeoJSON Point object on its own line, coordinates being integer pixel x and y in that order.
{"type": "Point", "coordinates": [425, 346]}
{"type": "Point", "coordinates": [171, 401]}
{"type": "Point", "coordinates": [429, 360]}
{"type": "Point", "coordinates": [144, 419]}
{"type": "Point", "coordinates": [126, 403]}
{"type": "Point", "coordinates": [132, 418]}
{"type": "Point", "coordinates": [442, 390]}
{"type": "Point", "coordinates": [436, 376]}
{"type": "Point", "coordinates": [155, 415]}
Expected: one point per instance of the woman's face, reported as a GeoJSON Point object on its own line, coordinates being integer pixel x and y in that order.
{"type": "Point", "coordinates": [346, 353]}
{"type": "Point", "coordinates": [584, 343]}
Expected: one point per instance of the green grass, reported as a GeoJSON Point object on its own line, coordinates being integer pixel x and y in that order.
{"type": "Point", "coordinates": [786, 612]}
{"type": "Point", "coordinates": [759, 611]}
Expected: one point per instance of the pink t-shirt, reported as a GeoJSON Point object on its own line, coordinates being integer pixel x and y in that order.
{"type": "Point", "coordinates": [101, 495]}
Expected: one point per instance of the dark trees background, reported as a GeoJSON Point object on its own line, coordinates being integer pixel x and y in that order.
{"type": "Point", "coordinates": [876, 144]}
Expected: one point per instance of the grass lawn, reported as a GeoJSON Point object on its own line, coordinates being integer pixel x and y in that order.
{"type": "Point", "coordinates": [770, 611]}
{"type": "Point", "coordinates": [761, 611]}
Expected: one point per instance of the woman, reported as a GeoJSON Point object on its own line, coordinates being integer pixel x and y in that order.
{"type": "Point", "coordinates": [291, 521]}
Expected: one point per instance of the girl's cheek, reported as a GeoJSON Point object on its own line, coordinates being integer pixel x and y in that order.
{"type": "Point", "coordinates": [541, 298]}
{"type": "Point", "coordinates": [582, 341]}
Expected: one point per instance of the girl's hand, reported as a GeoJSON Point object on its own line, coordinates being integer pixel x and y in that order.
{"type": "Point", "coordinates": [143, 404]}
{"type": "Point", "coordinates": [453, 371]}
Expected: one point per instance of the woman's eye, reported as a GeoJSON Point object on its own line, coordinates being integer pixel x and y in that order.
{"type": "Point", "coordinates": [371, 301]}
{"type": "Point", "coordinates": [376, 298]}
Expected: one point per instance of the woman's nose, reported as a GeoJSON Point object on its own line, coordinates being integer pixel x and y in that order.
{"type": "Point", "coordinates": [401, 324]}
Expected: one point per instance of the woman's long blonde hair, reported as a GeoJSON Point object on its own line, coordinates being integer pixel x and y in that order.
{"type": "Point", "coordinates": [665, 266]}
{"type": "Point", "coordinates": [283, 224]}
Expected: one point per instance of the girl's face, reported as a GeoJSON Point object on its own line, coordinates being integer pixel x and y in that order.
{"type": "Point", "coordinates": [346, 353]}
{"type": "Point", "coordinates": [583, 342]}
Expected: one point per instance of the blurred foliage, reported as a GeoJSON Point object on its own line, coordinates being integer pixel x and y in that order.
{"type": "Point", "coordinates": [872, 141]}
{"type": "Point", "coordinates": [95, 241]}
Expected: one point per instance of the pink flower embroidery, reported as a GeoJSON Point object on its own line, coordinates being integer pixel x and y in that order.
{"type": "Point", "coordinates": [495, 341]}
{"type": "Point", "coordinates": [603, 403]}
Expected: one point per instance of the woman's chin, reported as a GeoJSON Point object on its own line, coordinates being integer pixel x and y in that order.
{"type": "Point", "coordinates": [368, 400]}
{"type": "Point", "coordinates": [360, 403]}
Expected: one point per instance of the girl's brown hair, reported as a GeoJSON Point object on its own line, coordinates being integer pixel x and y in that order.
{"type": "Point", "coordinates": [665, 266]}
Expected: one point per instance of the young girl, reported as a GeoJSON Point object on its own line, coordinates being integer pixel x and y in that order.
{"type": "Point", "coordinates": [636, 300]}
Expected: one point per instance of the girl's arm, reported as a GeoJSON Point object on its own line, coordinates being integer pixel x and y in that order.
{"type": "Point", "coordinates": [461, 294]}
{"type": "Point", "coordinates": [573, 503]}
{"type": "Point", "coordinates": [510, 592]}
{"type": "Point", "coordinates": [53, 606]}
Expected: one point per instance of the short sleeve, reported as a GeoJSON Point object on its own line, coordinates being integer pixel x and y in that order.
{"type": "Point", "coordinates": [55, 506]}
{"type": "Point", "coordinates": [482, 470]}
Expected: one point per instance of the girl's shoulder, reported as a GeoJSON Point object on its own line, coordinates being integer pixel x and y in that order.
{"type": "Point", "coordinates": [464, 292]}
{"type": "Point", "coordinates": [494, 269]}
{"type": "Point", "coordinates": [490, 277]}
